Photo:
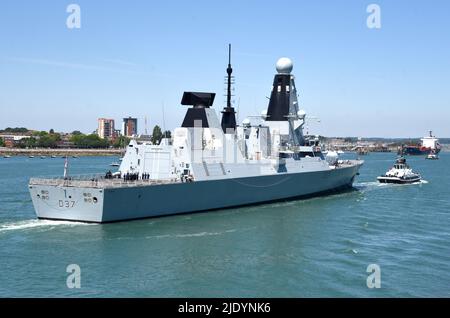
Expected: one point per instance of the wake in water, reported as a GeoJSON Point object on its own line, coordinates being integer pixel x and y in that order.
{"type": "Point", "coordinates": [199, 234]}
{"type": "Point", "coordinates": [373, 185]}
{"type": "Point", "coordinates": [31, 224]}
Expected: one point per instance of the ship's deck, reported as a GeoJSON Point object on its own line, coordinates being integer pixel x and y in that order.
{"type": "Point", "coordinates": [97, 182]}
{"type": "Point", "coordinates": [100, 182]}
{"type": "Point", "coordinates": [348, 163]}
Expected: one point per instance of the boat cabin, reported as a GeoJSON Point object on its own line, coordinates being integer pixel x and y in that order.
{"type": "Point", "coordinates": [401, 164]}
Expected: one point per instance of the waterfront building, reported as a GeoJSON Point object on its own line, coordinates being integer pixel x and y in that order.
{"type": "Point", "coordinates": [11, 140]}
{"type": "Point", "coordinates": [106, 128]}
{"type": "Point", "coordinates": [129, 127]}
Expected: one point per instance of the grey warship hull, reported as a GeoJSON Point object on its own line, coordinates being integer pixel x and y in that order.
{"type": "Point", "coordinates": [106, 201]}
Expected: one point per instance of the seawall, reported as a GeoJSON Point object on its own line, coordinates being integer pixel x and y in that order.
{"type": "Point", "coordinates": [60, 152]}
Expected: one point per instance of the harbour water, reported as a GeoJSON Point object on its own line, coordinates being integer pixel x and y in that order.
{"type": "Point", "coordinates": [319, 247]}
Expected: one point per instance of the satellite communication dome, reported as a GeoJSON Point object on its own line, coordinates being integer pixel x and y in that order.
{"type": "Point", "coordinates": [284, 65]}
{"type": "Point", "coordinates": [246, 122]}
{"type": "Point", "coordinates": [301, 114]}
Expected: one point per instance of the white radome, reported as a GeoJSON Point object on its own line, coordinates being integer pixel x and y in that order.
{"type": "Point", "coordinates": [246, 122]}
{"type": "Point", "coordinates": [301, 114]}
{"type": "Point", "coordinates": [284, 65]}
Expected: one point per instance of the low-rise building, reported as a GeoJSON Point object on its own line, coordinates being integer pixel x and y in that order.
{"type": "Point", "coordinates": [11, 140]}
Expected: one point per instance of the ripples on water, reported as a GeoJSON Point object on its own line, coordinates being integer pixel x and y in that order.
{"type": "Point", "coordinates": [315, 247]}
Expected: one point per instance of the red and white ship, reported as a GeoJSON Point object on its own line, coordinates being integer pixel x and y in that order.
{"type": "Point", "coordinates": [430, 144]}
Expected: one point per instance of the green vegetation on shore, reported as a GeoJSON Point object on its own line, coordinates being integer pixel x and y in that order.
{"type": "Point", "coordinates": [61, 152]}
{"type": "Point", "coordinates": [16, 130]}
{"type": "Point", "coordinates": [94, 141]}
{"type": "Point", "coordinates": [52, 140]}
{"type": "Point", "coordinates": [40, 139]}
{"type": "Point", "coordinates": [157, 135]}
{"type": "Point", "coordinates": [89, 141]}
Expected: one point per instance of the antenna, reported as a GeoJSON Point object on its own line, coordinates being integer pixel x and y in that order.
{"type": "Point", "coordinates": [228, 114]}
{"type": "Point", "coordinates": [238, 108]}
{"type": "Point", "coordinates": [145, 124]}
{"type": "Point", "coordinates": [66, 167]}
{"type": "Point", "coordinates": [229, 71]}
{"type": "Point", "coordinates": [164, 120]}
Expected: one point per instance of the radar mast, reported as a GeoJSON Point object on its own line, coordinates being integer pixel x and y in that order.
{"type": "Point", "coordinates": [228, 114]}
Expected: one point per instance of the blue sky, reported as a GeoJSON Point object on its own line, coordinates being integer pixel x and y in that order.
{"type": "Point", "coordinates": [132, 57]}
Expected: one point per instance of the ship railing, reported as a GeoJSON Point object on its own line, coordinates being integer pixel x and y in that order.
{"type": "Point", "coordinates": [98, 181]}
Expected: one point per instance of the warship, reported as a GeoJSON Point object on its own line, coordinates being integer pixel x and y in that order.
{"type": "Point", "coordinates": [207, 164]}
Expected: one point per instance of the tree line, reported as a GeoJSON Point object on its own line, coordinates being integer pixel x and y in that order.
{"type": "Point", "coordinates": [157, 135]}
{"type": "Point", "coordinates": [14, 130]}
{"type": "Point", "coordinates": [51, 139]}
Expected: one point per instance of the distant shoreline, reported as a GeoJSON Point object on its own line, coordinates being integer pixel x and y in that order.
{"type": "Point", "coordinates": [60, 152]}
{"type": "Point", "coordinates": [81, 152]}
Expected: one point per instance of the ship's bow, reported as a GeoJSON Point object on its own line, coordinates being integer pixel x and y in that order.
{"type": "Point", "coordinates": [58, 199]}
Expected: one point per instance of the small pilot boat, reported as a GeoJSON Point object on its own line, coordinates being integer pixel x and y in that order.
{"type": "Point", "coordinates": [400, 173]}
{"type": "Point", "coordinates": [432, 155]}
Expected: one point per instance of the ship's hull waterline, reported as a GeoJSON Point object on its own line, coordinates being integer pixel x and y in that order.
{"type": "Point", "coordinates": [395, 180]}
{"type": "Point", "coordinates": [91, 204]}
{"type": "Point", "coordinates": [417, 151]}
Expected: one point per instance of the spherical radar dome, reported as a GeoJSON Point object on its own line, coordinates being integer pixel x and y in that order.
{"type": "Point", "coordinates": [301, 114]}
{"type": "Point", "coordinates": [284, 65]}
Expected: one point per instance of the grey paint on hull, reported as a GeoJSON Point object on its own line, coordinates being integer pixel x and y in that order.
{"type": "Point", "coordinates": [67, 203]}
{"type": "Point", "coordinates": [116, 204]}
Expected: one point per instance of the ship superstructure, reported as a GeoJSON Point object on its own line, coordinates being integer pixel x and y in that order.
{"type": "Point", "coordinates": [207, 164]}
